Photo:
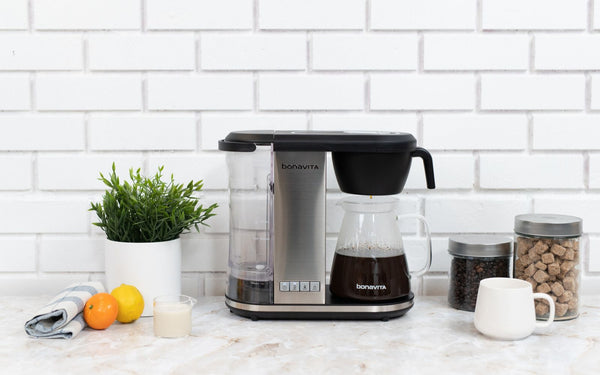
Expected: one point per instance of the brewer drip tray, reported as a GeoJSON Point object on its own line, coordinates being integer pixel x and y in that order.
{"type": "Point", "coordinates": [333, 309]}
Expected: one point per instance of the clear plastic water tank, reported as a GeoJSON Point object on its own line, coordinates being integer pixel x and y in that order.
{"type": "Point", "coordinates": [250, 269]}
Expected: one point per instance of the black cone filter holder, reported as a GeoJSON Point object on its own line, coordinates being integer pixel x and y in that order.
{"type": "Point", "coordinates": [368, 173]}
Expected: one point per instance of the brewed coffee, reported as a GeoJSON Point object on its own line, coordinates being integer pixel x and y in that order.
{"type": "Point", "coordinates": [381, 277]}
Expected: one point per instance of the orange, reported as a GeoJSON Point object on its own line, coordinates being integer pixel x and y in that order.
{"type": "Point", "coordinates": [100, 311]}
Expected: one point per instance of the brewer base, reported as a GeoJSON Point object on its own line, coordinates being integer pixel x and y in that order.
{"type": "Point", "coordinates": [333, 309]}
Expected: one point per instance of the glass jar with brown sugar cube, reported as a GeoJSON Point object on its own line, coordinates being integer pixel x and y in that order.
{"type": "Point", "coordinates": [547, 255]}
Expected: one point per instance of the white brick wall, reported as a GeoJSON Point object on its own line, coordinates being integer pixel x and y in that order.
{"type": "Point", "coordinates": [205, 254]}
{"type": "Point", "coordinates": [423, 14]}
{"type": "Point", "coordinates": [207, 167]}
{"type": "Point", "coordinates": [502, 171]}
{"type": "Point", "coordinates": [42, 132]}
{"type": "Point", "coordinates": [199, 14]}
{"type": "Point", "coordinates": [549, 132]}
{"type": "Point", "coordinates": [86, 14]}
{"type": "Point", "coordinates": [311, 14]}
{"type": "Point", "coordinates": [334, 51]}
{"type": "Point", "coordinates": [474, 214]}
{"type": "Point", "coordinates": [142, 52]}
{"type": "Point", "coordinates": [534, 14]}
{"type": "Point", "coordinates": [18, 254]}
{"type": "Point", "coordinates": [595, 101]}
{"type": "Point", "coordinates": [13, 15]}
{"type": "Point", "coordinates": [16, 172]}
{"type": "Point", "coordinates": [79, 92]}
{"type": "Point", "coordinates": [39, 215]}
{"type": "Point", "coordinates": [504, 93]}
{"type": "Point", "coordinates": [204, 91]}
{"type": "Point", "coordinates": [84, 254]}
{"type": "Point", "coordinates": [253, 52]}
{"type": "Point", "coordinates": [567, 52]}
{"type": "Point", "coordinates": [80, 172]}
{"type": "Point", "coordinates": [422, 92]}
{"type": "Point", "coordinates": [475, 132]}
{"type": "Point", "coordinates": [111, 132]}
{"type": "Point", "coordinates": [14, 91]}
{"type": "Point", "coordinates": [541, 92]}
{"type": "Point", "coordinates": [314, 91]}
{"type": "Point", "coordinates": [594, 171]}
{"type": "Point", "coordinates": [40, 52]}
{"type": "Point", "coordinates": [476, 52]}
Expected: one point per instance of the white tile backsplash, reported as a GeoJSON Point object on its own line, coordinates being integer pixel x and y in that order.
{"type": "Point", "coordinates": [504, 93]}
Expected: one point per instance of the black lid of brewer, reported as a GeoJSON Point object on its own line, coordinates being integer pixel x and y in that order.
{"type": "Point", "coordinates": [368, 163]}
{"type": "Point", "coordinates": [377, 142]}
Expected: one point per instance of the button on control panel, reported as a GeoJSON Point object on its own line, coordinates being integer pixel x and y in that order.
{"type": "Point", "coordinates": [294, 287]}
{"type": "Point", "coordinates": [284, 286]}
{"type": "Point", "coordinates": [299, 286]}
{"type": "Point", "coordinates": [315, 286]}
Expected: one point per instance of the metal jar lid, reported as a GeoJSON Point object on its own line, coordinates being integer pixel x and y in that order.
{"type": "Point", "coordinates": [548, 225]}
{"type": "Point", "coordinates": [477, 245]}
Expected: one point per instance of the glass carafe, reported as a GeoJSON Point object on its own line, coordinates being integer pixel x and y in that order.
{"type": "Point", "coordinates": [369, 262]}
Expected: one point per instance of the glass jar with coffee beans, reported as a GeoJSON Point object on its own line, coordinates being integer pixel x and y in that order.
{"type": "Point", "coordinates": [474, 258]}
{"type": "Point", "coordinates": [547, 256]}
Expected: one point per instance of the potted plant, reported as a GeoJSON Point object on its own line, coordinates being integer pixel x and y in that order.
{"type": "Point", "coordinates": [143, 220]}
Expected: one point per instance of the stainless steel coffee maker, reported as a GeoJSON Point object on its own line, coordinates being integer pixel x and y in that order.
{"type": "Point", "coordinates": [277, 187]}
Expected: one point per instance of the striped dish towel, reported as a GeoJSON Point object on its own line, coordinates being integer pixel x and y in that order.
{"type": "Point", "coordinates": [62, 318]}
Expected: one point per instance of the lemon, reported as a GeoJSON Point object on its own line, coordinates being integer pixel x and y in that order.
{"type": "Point", "coordinates": [131, 303]}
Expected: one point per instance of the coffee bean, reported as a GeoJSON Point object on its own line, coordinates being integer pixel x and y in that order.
{"type": "Point", "coordinates": [465, 275]}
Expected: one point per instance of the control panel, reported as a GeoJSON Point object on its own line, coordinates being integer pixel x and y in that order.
{"type": "Point", "coordinates": [299, 286]}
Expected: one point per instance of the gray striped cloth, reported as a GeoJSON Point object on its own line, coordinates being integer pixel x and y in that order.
{"type": "Point", "coordinates": [62, 318]}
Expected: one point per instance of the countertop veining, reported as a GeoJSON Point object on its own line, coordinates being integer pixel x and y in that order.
{"type": "Point", "coordinates": [431, 338]}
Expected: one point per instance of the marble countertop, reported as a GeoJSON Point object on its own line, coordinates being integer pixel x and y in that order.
{"type": "Point", "coordinates": [430, 339]}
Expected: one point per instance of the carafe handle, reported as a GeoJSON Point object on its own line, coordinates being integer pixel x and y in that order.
{"type": "Point", "coordinates": [422, 219]}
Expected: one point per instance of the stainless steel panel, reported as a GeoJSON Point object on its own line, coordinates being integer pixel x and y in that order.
{"type": "Point", "coordinates": [299, 224]}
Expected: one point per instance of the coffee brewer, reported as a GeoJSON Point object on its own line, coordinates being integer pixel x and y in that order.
{"type": "Point", "coordinates": [277, 187]}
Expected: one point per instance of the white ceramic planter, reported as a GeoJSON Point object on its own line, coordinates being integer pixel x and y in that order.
{"type": "Point", "coordinates": [152, 267]}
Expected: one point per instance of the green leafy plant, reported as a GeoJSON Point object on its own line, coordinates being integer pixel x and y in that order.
{"type": "Point", "coordinates": [147, 209]}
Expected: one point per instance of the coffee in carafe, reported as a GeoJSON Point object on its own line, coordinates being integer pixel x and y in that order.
{"type": "Point", "coordinates": [380, 277]}
{"type": "Point", "coordinates": [369, 263]}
